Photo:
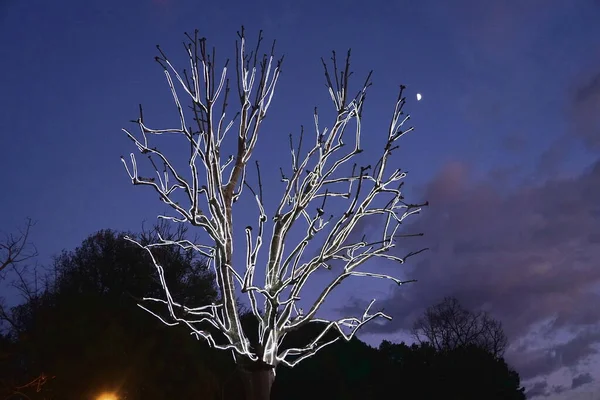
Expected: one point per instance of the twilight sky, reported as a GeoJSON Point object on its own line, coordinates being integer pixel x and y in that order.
{"type": "Point", "coordinates": [507, 146]}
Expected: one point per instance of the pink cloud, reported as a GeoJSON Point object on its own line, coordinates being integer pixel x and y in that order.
{"type": "Point", "coordinates": [527, 256]}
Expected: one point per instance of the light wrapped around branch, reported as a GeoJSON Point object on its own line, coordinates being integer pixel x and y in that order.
{"type": "Point", "coordinates": [213, 184]}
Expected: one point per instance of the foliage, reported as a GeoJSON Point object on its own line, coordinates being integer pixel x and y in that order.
{"type": "Point", "coordinates": [87, 334]}
{"type": "Point", "coordinates": [84, 334]}
{"type": "Point", "coordinates": [422, 372]}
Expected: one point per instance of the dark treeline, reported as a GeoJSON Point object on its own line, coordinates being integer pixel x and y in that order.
{"type": "Point", "coordinates": [79, 333]}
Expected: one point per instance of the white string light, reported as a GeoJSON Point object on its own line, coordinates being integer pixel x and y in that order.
{"type": "Point", "coordinates": [211, 193]}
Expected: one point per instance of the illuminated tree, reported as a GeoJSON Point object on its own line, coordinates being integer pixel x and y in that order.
{"type": "Point", "coordinates": [204, 196]}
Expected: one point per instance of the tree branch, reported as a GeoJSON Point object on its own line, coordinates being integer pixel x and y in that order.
{"type": "Point", "coordinates": [16, 249]}
{"type": "Point", "coordinates": [325, 172]}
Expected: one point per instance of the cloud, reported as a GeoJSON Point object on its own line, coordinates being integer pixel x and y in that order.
{"type": "Point", "coordinates": [546, 360]}
{"type": "Point", "coordinates": [538, 389]}
{"type": "Point", "coordinates": [528, 256]}
{"type": "Point", "coordinates": [585, 111]}
{"type": "Point", "coordinates": [542, 389]}
{"type": "Point", "coordinates": [558, 389]}
{"type": "Point", "coordinates": [581, 380]}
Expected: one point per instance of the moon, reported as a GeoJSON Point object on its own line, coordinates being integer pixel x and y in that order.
{"type": "Point", "coordinates": [419, 97]}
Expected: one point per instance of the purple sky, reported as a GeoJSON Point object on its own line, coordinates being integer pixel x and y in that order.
{"type": "Point", "coordinates": [507, 146]}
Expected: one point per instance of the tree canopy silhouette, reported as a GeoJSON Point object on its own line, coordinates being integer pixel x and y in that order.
{"type": "Point", "coordinates": [85, 333]}
{"type": "Point", "coordinates": [448, 326]}
{"type": "Point", "coordinates": [82, 333]}
{"type": "Point", "coordinates": [422, 372]}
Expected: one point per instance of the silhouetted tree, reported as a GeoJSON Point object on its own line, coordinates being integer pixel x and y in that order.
{"type": "Point", "coordinates": [15, 251]}
{"type": "Point", "coordinates": [324, 172]}
{"type": "Point", "coordinates": [85, 334]}
{"type": "Point", "coordinates": [345, 370]}
{"type": "Point", "coordinates": [448, 325]}
{"type": "Point", "coordinates": [16, 248]}
{"type": "Point", "coordinates": [422, 372]}
{"type": "Point", "coordinates": [7, 358]}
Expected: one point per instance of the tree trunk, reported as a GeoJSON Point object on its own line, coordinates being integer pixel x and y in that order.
{"type": "Point", "coordinates": [258, 380]}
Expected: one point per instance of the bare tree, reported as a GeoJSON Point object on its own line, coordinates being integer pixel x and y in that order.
{"type": "Point", "coordinates": [205, 196]}
{"type": "Point", "coordinates": [447, 326]}
{"type": "Point", "coordinates": [29, 285]}
{"type": "Point", "coordinates": [16, 249]}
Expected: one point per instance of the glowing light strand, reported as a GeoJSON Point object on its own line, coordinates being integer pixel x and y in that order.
{"type": "Point", "coordinates": [313, 179]}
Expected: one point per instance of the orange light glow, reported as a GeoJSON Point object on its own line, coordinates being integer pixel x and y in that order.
{"type": "Point", "coordinates": [107, 396]}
